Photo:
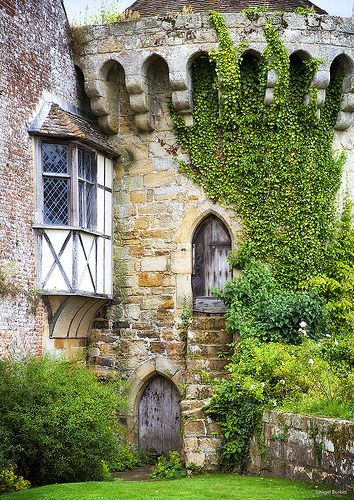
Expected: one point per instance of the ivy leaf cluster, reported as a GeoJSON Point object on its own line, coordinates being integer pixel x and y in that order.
{"type": "Point", "coordinates": [272, 164]}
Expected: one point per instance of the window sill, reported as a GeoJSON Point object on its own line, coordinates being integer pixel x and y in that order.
{"type": "Point", "coordinates": [71, 228]}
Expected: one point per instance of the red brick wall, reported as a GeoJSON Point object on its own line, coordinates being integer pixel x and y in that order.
{"type": "Point", "coordinates": [34, 56]}
{"type": "Point", "coordinates": [9, 6]}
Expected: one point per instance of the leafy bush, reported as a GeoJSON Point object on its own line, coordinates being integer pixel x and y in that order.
{"type": "Point", "coordinates": [10, 481]}
{"type": "Point", "coordinates": [128, 457]}
{"type": "Point", "coordinates": [169, 468]}
{"type": "Point", "coordinates": [310, 378]}
{"type": "Point", "coordinates": [57, 421]}
{"type": "Point", "coordinates": [258, 307]}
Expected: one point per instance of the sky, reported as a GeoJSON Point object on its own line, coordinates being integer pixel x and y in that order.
{"type": "Point", "coordinates": [76, 8]}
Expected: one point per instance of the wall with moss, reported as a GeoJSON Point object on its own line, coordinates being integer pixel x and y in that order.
{"type": "Point", "coordinates": [307, 448]}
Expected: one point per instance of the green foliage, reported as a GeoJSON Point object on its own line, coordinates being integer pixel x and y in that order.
{"type": "Point", "coordinates": [7, 288]}
{"type": "Point", "coordinates": [273, 164]}
{"type": "Point", "coordinates": [259, 307]}
{"type": "Point", "coordinates": [251, 10]}
{"type": "Point", "coordinates": [169, 468]}
{"type": "Point", "coordinates": [336, 284]}
{"type": "Point", "coordinates": [304, 10]}
{"type": "Point", "coordinates": [303, 378]}
{"type": "Point", "coordinates": [10, 481]}
{"type": "Point", "coordinates": [58, 423]}
{"type": "Point", "coordinates": [108, 14]}
{"type": "Point", "coordinates": [128, 457]}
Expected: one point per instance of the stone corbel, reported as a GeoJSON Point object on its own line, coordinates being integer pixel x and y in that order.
{"type": "Point", "coordinates": [182, 96]}
{"type": "Point", "coordinates": [96, 91]}
{"type": "Point", "coordinates": [345, 116]}
{"type": "Point", "coordinates": [140, 103]}
{"type": "Point", "coordinates": [320, 82]}
{"type": "Point", "coordinates": [272, 78]}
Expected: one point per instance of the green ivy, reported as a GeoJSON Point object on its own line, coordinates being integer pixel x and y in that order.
{"type": "Point", "coordinates": [272, 164]}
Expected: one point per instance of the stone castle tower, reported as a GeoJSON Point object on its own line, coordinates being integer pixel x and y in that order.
{"type": "Point", "coordinates": [111, 244]}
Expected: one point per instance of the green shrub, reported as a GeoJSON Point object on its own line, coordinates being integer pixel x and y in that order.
{"type": "Point", "coordinates": [10, 481]}
{"type": "Point", "coordinates": [258, 307]}
{"type": "Point", "coordinates": [128, 457]}
{"type": "Point", "coordinates": [169, 468]}
{"type": "Point", "coordinates": [309, 378]}
{"type": "Point", "coordinates": [59, 423]}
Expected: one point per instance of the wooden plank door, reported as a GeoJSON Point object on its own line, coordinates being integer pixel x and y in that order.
{"type": "Point", "coordinates": [159, 417]}
{"type": "Point", "coordinates": [211, 245]}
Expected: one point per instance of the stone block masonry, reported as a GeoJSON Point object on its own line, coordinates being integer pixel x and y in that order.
{"type": "Point", "coordinates": [307, 448]}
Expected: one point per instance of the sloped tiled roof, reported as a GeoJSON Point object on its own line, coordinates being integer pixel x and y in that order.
{"type": "Point", "coordinates": [62, 124]}
{"type": "Point", "coordinates": [164, 7]}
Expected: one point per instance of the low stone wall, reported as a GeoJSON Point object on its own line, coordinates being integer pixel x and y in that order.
{"type": "Point", "coordinates": [307, 448]}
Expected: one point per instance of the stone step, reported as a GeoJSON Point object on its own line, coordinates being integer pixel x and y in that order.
{"type": "Point", "coordinates": [206, 377]}
{"type": "Point", "coordinates": [209, 337]}
{"type": "Point", "coordinates": [206, 323]}
{"type": "Point", "coordinates": [210, 365]}
{"type": "Point", "coordinates": [208, 351]}
{"type": "Point", "coordinates": [198, 391]}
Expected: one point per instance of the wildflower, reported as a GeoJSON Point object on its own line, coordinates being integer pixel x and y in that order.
{"type": "Point", "coordinates": [262, 385]}
{"type": "Point", "coordinates": [282, 381]}
{"type": "Point", "coordinates": [328, 335]}
{"type": "Point", "coordinates": [303, 324]}
{"type": "Point", "coordinates": [311, 362]}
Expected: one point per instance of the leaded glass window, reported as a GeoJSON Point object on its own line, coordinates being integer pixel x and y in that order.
{"type": "Point", "coordinates": [55, 183]}
{"type": "Point", "coordinates": [87, 188]}
{"type": "Point", "coordinates": [69, 186]}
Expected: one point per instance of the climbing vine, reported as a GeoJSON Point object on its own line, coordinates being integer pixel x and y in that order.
{"type": "Point", "coordinates": [272, 162]}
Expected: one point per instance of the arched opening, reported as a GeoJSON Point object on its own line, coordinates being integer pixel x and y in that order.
{"type": "Point", "coordinates": [210, 269]}
{"type": "Point", "coordinates": [84, 100]}
{"type": "Point", "coordinates": [159, 416]}
{"type": "Point", "coordinates": [341, 72]}
{"type": "Point", "coordinates": [251, 90]}
{"type": "Point", "coordinates": [299, 78]}
{"type": "Point", "coordinates": [203, 76]}
{"type": "Point", "coordinates": [116, 92]}
{"type": "Point", "coordinates": [159, 90]}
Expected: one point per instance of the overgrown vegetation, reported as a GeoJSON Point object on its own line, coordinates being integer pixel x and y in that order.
{"type": "Point", "coordinates": [107, 14]}
{"type": "Point", "coordinates": [58, 423]}
{"type": "Point", "coordinates": [273, 164]}
{"type": "Point", "coordinates": [169, 468]}
{"type": "Point", "coordinates": [311, 378]}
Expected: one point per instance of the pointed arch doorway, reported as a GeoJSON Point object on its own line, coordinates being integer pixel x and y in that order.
{"type": "Point", "coordinates": [210, 247]}
{"type": "Point", "coordinates": [159, 417]}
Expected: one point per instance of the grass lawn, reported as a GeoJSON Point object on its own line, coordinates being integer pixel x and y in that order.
{"type": "Point", "coordinates": [206, 487]}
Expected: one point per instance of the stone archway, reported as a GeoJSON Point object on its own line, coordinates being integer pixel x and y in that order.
{"type": "Point", "coordinates": [140, 380]}
{"type": "Point", "coordinates": [159, 418]}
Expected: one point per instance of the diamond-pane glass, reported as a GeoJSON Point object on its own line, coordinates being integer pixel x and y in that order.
{"type": "Point", "coordinates": [55, 158]}
{"type": "Point", "coordinates": [56, 202]}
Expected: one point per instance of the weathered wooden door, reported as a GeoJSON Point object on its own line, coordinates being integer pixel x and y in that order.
{"type": "Point", "coordinates": [159, 417]}
{"type": "Point", "coordinates": [211, 245]}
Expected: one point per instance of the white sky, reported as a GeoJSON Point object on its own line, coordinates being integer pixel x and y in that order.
{"type": "Point", "coordinates": [76, 8]}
